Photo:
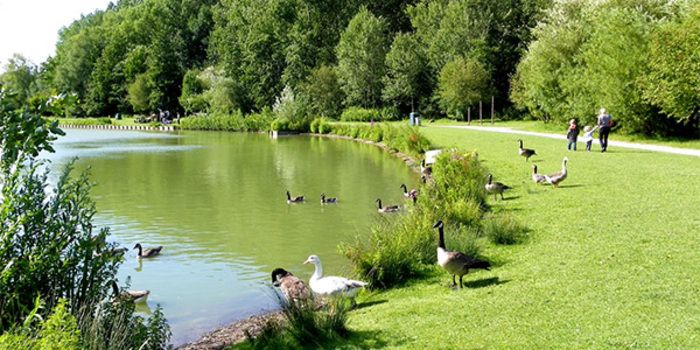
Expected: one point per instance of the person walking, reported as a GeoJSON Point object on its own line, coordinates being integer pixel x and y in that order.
{"type": "Point", "coordinates": [588, 136]}
{"type": "Point", "coordinates": [572, 134]}
{"type": "Point", "coordinates": [604, 124]}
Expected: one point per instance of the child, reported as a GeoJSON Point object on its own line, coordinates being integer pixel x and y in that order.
{"type": "Point", "coordinates": [572, 134]}
{"type": "Point", "coordinates": [588, 136]}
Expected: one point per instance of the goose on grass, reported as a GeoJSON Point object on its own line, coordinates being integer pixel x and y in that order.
{"type": "Point", "coordinates": [525, 152]}
{"type": "Point", "coordinates": [557, 178]}
{"type": "Point", "coordinates": [292, 287]}
{"type": "Point", "coordinates": [456, 263]}
{"type": "Point", "coordinates": [537, 178]}
{"type": "Point", "coordinates": [495, 187]}
{"type": "Point", "coordinates": [331, 285]}
{"type": "Point", "coordinates": [148, 252]}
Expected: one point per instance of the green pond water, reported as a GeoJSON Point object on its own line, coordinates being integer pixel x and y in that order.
{"type": "Point", "coordinates": [216, 202]}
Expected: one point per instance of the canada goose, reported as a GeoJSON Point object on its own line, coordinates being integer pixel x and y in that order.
{"type": "Point", "coordinates": [331, 285]}
{"type": "Point", "coordinates": [556, 178]}
{"type": "Point", "coordinates": [537, 178]}
{"type": "Point", "coordinates": [292, 287]}
{"type": "Point", "coordinates": [409, 194]}
{"type": "Point", "coordinates": [425, 170]}
{"type": "Point", "coordinates": [137, 296]}
{"type": "Point", "coordinates": [297, 199]}
{"type": "Point", "coordinates": [328, 200]}
{"type": "Point", "coordinates": [525, 152]}
{"type": "Point", "coordinates": [148, 253]}
{"type": "Point", "coordinates": [388, 208]}
{"type": "Point", "coordinates": [495, 187]}
{"type": "Point", "coordinates": [456, 263]}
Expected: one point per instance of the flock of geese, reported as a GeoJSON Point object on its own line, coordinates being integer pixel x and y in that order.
{"type": "Point", "coordinates": [456, 263]}
{"type": "Point", "coordinates": [554, 179]}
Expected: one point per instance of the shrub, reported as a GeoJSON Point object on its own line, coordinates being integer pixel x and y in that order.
{"type": "Point", "coordinates": [357, 114]}
{"type": "Point", "coordinates": [58, 331]}
{"type": "Point", "coordinates": [304, 326]}
{"type": "Point", "coordinates": [258, 121]}
{"type": "Point", "coordinates": [504, 229]}
{"type": "Point", "coordinates": [218, 122]}
{"type": "Point", "coordinates": [320, 126]}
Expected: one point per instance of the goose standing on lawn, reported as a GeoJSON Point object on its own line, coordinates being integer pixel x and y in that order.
{"type": "Point", "coordinates": [332, 285]}
{"type": "Point", "coordinates": [525, 152]}
{"type": "Point", "coordinates": [292, 287]}
{"type": "Point", "coordinates": [148, 252]}
{"type": "Point", "coordinates": [537, 178]}
{"type": "Point", "coordinates": [556, 178]}
{"type": "Point", "coordinates": [328, 200]}
{"type": "Point", "coordinates": [137, 296]}
{"type": "Point", "coordinates": [297, 199]}
{"type": "Point", "coordinates": [456, 263]}
{"type": "Point", "coordinates": [388, 208]}
{"type": "Point", "coordinates": [495, 187]}
{"type": "Point", "coordinates": [426, 170]}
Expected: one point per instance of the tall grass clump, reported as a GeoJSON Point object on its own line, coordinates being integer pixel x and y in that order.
{"type": "Point", "coordinates": [49, 249]}
{"type": "Point", "coordinates": [303, 326]}
{"type": "Point", "coordinates": [402, 247]}
{"type": "Point", "coordinates": [504, 229]}
{"type": "Point", "coordinates": [214, 122]}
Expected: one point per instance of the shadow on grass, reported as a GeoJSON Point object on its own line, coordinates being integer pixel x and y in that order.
{"type": "Point", "coordinates": [511, 198]}
{"type": "Point", "coordinates": [362, 340]}
{"type": "Point", "coordinates": [484, 282]}
{"type": "Point", "coordinates": [369, 303]}
{"type": "Point", "coordinates": [571, 186]}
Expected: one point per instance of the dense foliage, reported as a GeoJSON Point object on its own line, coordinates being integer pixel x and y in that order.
{"type": "Point", "coordinates": [438, 57]}
{"type": "Point", "coordinates": [635, 58]}
{"type": "Point", "coordinates": [50, 253]}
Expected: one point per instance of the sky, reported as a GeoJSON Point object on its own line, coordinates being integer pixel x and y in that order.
{"type": "Point", "coordinates": [30, 27]}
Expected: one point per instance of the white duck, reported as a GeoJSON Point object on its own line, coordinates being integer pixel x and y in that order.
{"type": "Point", "coordinates": [331, 285]}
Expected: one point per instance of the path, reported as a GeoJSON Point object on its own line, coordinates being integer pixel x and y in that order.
{"type": "Point", "coordinates": [611, 143]}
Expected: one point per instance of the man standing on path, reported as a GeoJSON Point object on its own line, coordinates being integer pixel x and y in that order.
{"type": "Point", "coordinates": [604, 123]}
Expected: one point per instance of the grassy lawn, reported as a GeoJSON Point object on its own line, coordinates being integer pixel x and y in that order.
{"type": "Point", "coordinates": [612, 260]}
{"type": "Point", "coordinates": [538, 126]}
{"type": "Point", "coordinates": [97, 121]}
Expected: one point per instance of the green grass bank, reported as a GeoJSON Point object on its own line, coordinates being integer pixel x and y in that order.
{"type": "Point", "coordinates": [611, 261]}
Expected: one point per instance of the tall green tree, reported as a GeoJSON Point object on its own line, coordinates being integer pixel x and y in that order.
{"type": "Point", "coordinates": [323, 93]}
{"type": "Point", "coordinates": [361, 53]}
{"type": "Point", "coordinates": [407, 74]}
{"type": "Point", "coordinates": [20, 77]}
{"type": "Point", "coordinates": [463, 82]}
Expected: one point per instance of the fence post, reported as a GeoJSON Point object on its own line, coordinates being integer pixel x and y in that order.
{"type": "Point", "coordinates": [469, 115]}
{"type": "Point", "coordinates": [481, 116]}
{"type": "Point", "coordinates": [492, 109]}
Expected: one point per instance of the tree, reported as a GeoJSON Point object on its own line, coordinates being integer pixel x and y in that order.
{"type": "Point", "coordinates": [462, 83]}
{"type": "Point", "coordinates": [361, 53]}
{"type": "Point", "coordinates": [406, 74]}
{"type": "Point", "coordinates": [674, 76]}
{"type": "Point", "coordinates": [19, 77]}
{"type": "Point", "coordinates": [323, 93]}
{"type": "Point", "coordinates": [139, 93]}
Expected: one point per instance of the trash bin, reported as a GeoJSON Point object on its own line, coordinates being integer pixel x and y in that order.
{"type": "Point", "coordinates": [414, 119]}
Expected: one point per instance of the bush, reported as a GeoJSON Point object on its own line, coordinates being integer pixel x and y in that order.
{"type": "Point", "coordinates": [58, 331]}
{"type": "Point", "coordinates": [258, 121]}
{"type": "Point", "coordinates": [215, 122]}
{"type": "Point", "coordinates": [357, 114]}
{"type": "Point", "coordinates": [303, 326]}
{"type": "Point", "coordinates": [86, 121]}
{"type": "Point", "coordinates": [320, 126]}
{"type": "Point", "coordinates": [504, 229]}
{"type": "Point", "coordinates": [401, 248]}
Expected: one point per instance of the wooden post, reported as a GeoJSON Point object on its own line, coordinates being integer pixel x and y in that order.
{"type": "Point", "coordinates": [492, 109]}
{"type": "Point", "coordinates": [469, 115]}
{"type": "Point", "coordinates": [481, 115]}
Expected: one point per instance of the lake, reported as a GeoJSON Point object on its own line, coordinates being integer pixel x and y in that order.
{"type": "Point", "coordinates": [216, 203]}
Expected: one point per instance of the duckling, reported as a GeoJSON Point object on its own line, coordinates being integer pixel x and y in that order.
{"type": "Point", "coordinates": [456, 263]}
{"type": "Point", "coordinates": [147, 253]}
{"type": "Point", "coordinates": [292, 287]}
{"type": "Point", "coordinates": [409, 195]}
{"type": "Point", "coordinates": [496, 187]}
{"type": "Point", "coordinates": [297, 199]}
{"type": "Point", "coordinates": [525, 152]}
{"type": "Point", "coordinates": [556, 178]}
{"type": "Point", "coordinates": [137, 296]}
{"type": "Point", "coordinates": [331, 285]}
{"type": "Point", "coordinates": [388, 208]}
{"type": "Point", "coordinates": [425, 170]}
{"type": "Point", "coordinates": [537, 178]}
